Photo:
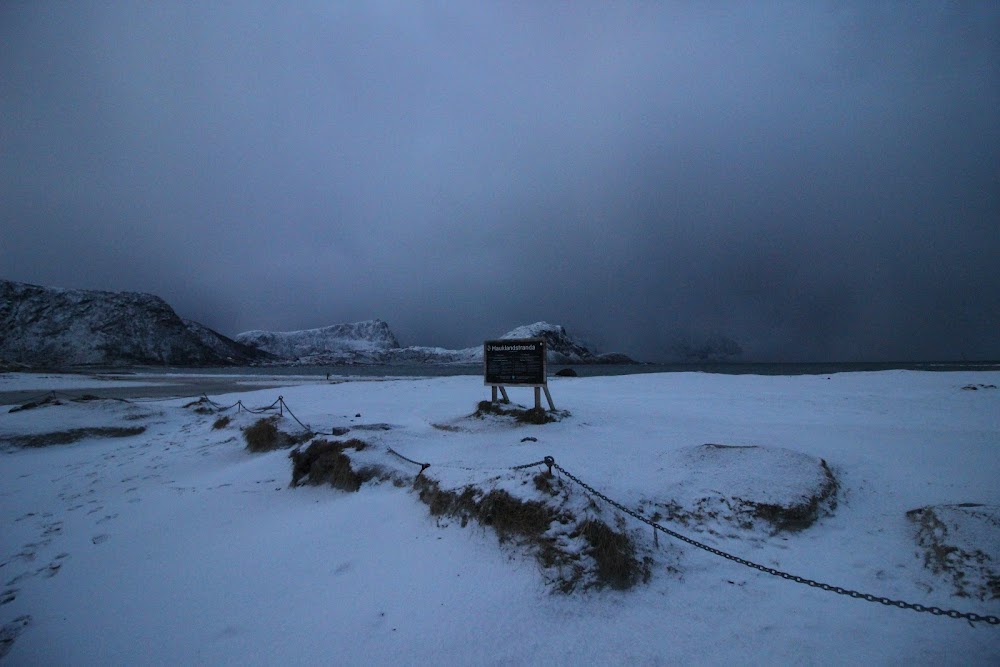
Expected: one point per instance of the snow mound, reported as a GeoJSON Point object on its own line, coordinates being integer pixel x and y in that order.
{"type": "Point", "coordinates": [961, 543]}
{"type": "Point", "coordinates": [528, 510]}
{"type": "Point", "coordinates": [711, 487]}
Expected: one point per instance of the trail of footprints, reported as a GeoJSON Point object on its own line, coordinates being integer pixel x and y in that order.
{"type": "Point", "coordinates": [76, 497]}
{"type": "Point", "coordinates": [24, 564]}
{"type": "Point", "coordinates": [35, 559]}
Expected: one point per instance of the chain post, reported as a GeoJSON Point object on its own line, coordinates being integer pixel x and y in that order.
{"type": "Point", "coordinates": [549, 461]}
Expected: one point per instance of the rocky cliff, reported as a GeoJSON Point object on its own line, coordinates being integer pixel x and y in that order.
{"type": "Point", "coordinates": [50, 327]}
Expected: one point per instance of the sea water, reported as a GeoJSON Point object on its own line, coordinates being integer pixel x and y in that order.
{"type": "Point", "coordinates": [583, 370]}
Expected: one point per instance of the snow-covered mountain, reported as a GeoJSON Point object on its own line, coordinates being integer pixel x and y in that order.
{"type": "Point", "coordinates": [51, 327]}
{"type": "Point", "coordinates": [561, 348]}
{"type": "Point", "coordinates": [47, 326]}
{"type": "Point", "coordinates": [357, 342]}
{"type": "Point", "coordinates": [372, 342]}
{"type": "Point", "coordinates": [226, 347]}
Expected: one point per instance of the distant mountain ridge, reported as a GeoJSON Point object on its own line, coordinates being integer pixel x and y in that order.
{"type": "Point", "coordinates": [49, 326]}
{"type": "Point", "coordinates": [372, 342]}
{"type": "Point", "coordinates": [338, 343]}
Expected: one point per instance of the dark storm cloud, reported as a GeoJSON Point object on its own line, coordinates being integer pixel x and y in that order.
{"type": "Point", "coordinates": [817, 182]}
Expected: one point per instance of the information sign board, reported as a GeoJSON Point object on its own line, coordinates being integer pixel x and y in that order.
{"type": "Point", "coordinates": [514, 362]}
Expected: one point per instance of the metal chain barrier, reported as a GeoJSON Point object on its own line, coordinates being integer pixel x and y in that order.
{"type": "Point", "coordinates": [937, 611]}
{"type": "Point", "coordinates": [284, 407]}
{"type": "Point", "coordinates": [423, 466]}
{"type": "Point", "coordinates": [240, 405]}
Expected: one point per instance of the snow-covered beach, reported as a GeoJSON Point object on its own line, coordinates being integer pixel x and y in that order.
{"type": "Point", "coordinates": [178, 546]}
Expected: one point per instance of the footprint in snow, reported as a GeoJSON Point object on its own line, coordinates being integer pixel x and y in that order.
{"type": "Point", "coordinates": [9, 633]}
{"type": "Point", "coordinates": [8, 595]}
{"type": "Point", "coordinates": [54, 528]}
{"type": "Point", "coordinates": [100, 539]}
{"type": "Point", "coordinates": [52, 569]}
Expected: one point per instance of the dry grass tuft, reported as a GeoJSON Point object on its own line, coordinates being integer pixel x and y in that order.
{"type": "Point", "coordinates": [971, 571]}
{"type": "Point", "coordinates": [536, 416]}
{"type": "Point", "coordinates": [324, 462]}
{"type": "Point", "coordinates": [614, 553]}
{"type": "Point", "coordinates": [264, 436]}
{"type": "Point", "coordinates": [527, 523]}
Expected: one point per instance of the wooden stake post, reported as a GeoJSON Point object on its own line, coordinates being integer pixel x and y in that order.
{"type": "Point", "coordinates": [516, 362]}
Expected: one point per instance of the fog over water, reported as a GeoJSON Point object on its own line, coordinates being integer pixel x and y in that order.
{"type": "Point", "coordinates": [817, 181]}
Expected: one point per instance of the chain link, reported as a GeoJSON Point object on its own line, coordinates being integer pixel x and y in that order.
{"type": "Point", "coordinates": [408, 460]}
{"type": "Point", "coordinates": [936, 611]}
{"type": "Point", "coordinates": [528, 465]}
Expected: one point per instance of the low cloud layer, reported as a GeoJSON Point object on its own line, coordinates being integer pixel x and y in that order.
{"type": "Point", "coordinates": [817, 182]}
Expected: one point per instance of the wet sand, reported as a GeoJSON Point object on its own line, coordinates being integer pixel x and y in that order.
{"type": "Point", "coordinates": [153, 387]}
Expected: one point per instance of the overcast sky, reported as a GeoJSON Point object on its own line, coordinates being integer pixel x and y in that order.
{"type": "Point", "coordinates": [818, 181]}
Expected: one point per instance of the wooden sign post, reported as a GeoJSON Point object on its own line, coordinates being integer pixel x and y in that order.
{"type": "Point", "coordinates": [516, 362]}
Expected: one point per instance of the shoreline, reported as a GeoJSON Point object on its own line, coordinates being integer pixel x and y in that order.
{"type": "Point", "coordinates": [145, 382]}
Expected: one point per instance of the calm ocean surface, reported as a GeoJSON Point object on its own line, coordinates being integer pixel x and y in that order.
{"type": "Point", "coordinates": [584, 370]}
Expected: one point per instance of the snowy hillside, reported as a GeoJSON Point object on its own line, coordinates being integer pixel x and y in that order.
{"type": "Point", "coordinates": [47, 326]}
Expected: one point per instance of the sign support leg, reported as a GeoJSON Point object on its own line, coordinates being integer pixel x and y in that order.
{"type": "Point", "coordinates": [494, 399]}
{"type": "Point", "coordinates": [538, 398]}
{"type": "Point", "coordinates": [548, 397]}
{"type": "Point", "coordinates": [506, 399]}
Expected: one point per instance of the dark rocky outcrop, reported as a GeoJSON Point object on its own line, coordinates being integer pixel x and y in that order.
{"type": "Point", "coordinates": [52, 327]}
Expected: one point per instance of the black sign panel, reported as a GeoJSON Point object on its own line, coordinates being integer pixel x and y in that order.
{"type": "Point", "coordinates": [516, 362]}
